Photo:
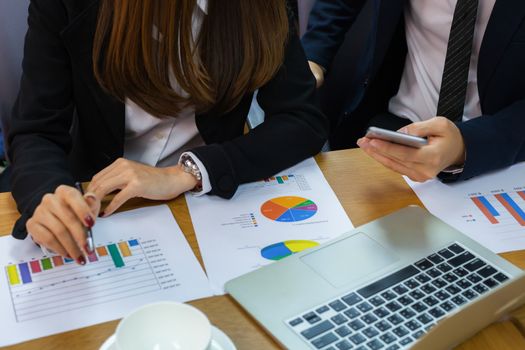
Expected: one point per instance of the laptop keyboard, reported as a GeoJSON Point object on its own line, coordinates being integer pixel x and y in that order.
{"type": "Point", "coordinates": [394, 311]}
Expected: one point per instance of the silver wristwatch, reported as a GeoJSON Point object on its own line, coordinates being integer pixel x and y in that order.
{"type": "Point", "coordinates": [189, 166]}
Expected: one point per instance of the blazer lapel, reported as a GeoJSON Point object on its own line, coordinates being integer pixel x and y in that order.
{"type": "Point", "coordinates": [78, 38]}
{"type": "Point", "coordinates": [506, 18]}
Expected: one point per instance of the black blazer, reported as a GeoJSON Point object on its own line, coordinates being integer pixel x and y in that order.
{"type": "Point", "coordinates": [66, 128]}
{"type": "Point", "coordinates": [357, 92]}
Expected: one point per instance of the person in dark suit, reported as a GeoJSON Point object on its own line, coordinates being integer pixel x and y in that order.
{"type": "Point", "coordinates": [451, 71]}
{"type": "Point", "coordinates": [150, 99]}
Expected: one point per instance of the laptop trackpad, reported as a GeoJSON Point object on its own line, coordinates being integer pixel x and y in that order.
{"type": "Point", "coordinates": [349, 259]}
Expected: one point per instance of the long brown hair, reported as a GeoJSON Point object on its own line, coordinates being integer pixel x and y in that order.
{"type": "Point", "coordinates": [240, 48]}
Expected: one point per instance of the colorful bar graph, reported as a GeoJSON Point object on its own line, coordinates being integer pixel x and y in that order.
{"type": "Point", "coordinates": [35, 266]}
{"type": "Point", "coordinates": [486, 208]}
{"type": "Point", "coordinates": [285, 178]}
{"type": "Point", "coordinates": [115, 255]}
{"type": "Point", "coordinates": [102, 251]}
{"type": "Point", "coordinates": [24, 272]}
{"type": "Point", "coordinates": [12, 273]}
{"type": "Point", "coordinates": [124, 249]}
{"type": "Point", "coordinates": [512, 207]}
{"type": "Point", "coordinates": [92, 257]}
{"type": "Point", "coordinates": [46, 264]}
{"type": "Point", "coordinates": [58, 261]}
{"type": "Point", "coordinates": [522, 194]}
{"type": "Point", "coordinates": [279, 179]}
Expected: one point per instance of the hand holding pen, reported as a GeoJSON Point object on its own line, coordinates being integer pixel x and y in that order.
{"type": "Point", "coordinates": [61, 221]}
{"type": "Point", "coordinates": [89, 232]}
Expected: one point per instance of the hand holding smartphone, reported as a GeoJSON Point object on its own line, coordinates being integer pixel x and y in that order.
{"type": "Point", "coordinates": [396, 137]}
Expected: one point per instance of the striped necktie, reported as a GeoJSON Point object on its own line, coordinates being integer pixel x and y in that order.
{"type": "Point", "coordinates": [453, 90]}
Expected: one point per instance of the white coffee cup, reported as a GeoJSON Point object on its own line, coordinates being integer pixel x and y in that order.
{"type": "Point", "coordinates": [163, 326]}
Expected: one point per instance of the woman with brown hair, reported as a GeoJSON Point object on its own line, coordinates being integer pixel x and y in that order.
{"type": "Point", "coordinates": [149, 99]}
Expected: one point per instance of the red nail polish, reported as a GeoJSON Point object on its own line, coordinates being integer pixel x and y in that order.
{"type": "Point", "coordinates": [81, 260]}
{"type": "Point", "coordinates": [101, 214]}
{"type": "Point", "coordinates": [68, 256]}
{"type": "Point", "coordinates": [89, 221]}
{"type": "Point", "coordinates": [86, 249]}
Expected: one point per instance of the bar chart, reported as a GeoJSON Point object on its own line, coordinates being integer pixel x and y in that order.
{"type": "Point", "coordinates": [501, 207]}
{"type": "Point", "coordinates": [290, 182]}
{"type": "Point", "coordinates": [489, 208]}
{"type": "Point", "coordinates": [141, 256]}
{"type": "Point", "coordinates": [279, 179]}
{"type": "Point", "coordinates": [53, 285]}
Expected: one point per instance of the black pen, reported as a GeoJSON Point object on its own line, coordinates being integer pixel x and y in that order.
{"type": "Point", "coordinates": [90, 243]}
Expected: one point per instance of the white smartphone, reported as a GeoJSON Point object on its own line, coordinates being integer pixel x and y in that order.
{"type": "Point", "coordinates": [396, 137]}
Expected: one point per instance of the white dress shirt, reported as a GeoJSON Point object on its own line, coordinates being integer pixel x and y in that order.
{"type": "Point", "coordinates": [161, 141]}
{"type": "Point", "coordinates": [427, 26]}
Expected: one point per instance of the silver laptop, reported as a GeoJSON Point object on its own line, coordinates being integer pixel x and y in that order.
{"type": "Point", "coordinates": [405, 280]}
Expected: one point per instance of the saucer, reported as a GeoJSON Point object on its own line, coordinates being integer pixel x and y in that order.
{"type": "Point", "coordinates": [219, 341]}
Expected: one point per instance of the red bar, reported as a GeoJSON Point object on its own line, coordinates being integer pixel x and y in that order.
{"type": "Point", "coordinates": [484, 210]}
{"type": "Point", "coordinates": [522, 194]}
{"type": "Point", "coordinates": [58, 261]}
{"type": "Point", "coordinates": [35, 266]}
{"type": "Point", "coordinates": [92, 257]}
{"type": "Point", "coordinates": [510, 209]}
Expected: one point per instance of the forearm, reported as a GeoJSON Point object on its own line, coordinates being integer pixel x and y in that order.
{"type": "Point", "coordinates": [494, 141]}
{"type": "Point", "coordinates": [294, 129]}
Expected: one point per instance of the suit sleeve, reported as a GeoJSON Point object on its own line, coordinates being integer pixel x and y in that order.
{"type": "Point", "coordinates": [327, 26]}
{"type": "Point", "coordinates": [494, 141]}
{"type": "Point", "coordinates": [39, 137]}
{"type": "Point", "coordinates": [294, 129]}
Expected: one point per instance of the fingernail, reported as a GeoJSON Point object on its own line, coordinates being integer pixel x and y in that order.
{"type": "Point", "coordinates": [90, 195]}
{"type": "Point", "coordinates": [404, 130]}
{"type": "Point", "coordinates": [81, 260]}
{"type": "Point", "coordinates": [86, 249]}
{"type": "Point", "coordinates": [89, 221]}
{"type": "Point", "coordinates": [68, 256]}
{"type": "Point", "coordinates": [101, 214]}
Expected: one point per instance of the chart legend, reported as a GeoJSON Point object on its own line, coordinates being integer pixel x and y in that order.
{"type": "Point", "coordinates": [289, 209]}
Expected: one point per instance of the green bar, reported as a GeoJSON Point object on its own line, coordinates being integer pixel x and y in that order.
{"type": "Point", "coordinates": [115, 255]}
{"type": "Point", "coordinates": [279, 180]}
{"type": "Point", "coordinates": [46, 264]}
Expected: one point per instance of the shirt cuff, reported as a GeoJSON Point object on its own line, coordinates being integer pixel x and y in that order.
{"type": "Point", "coordinates": [206, 184]}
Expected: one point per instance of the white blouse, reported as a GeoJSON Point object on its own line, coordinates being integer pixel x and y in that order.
{"type": "Point", "coordinates": [160, 142]}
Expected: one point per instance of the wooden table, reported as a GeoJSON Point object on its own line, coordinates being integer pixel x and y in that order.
{"type": "Point", "coordinates": [367, 191]}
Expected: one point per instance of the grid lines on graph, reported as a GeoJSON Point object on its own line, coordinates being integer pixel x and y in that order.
{"type": "Point", "coordinates": [52, 285]}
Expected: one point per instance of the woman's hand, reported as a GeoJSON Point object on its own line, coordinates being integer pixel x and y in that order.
{"type": "Point", "coordinates": [445, 148]}
{"type": "Point", "coordinates": [138, 180]}
{"type": "Point", "coordinates": [60, 221]}
{"type": "Point", "coordinates": [318, 73]}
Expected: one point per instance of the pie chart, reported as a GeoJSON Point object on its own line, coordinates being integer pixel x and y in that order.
{"type": "Point", "coordinates": [289, 209]}
{"type": "Point", "coordinates": [281, 250]}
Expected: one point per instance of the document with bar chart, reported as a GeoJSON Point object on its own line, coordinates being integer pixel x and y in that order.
{"type": "Point", "coordinates": [141, 256]}
{"type": "Point", "coordinates": [265, 221]}
{"type": "Point", "coordinates": [489, 208]}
